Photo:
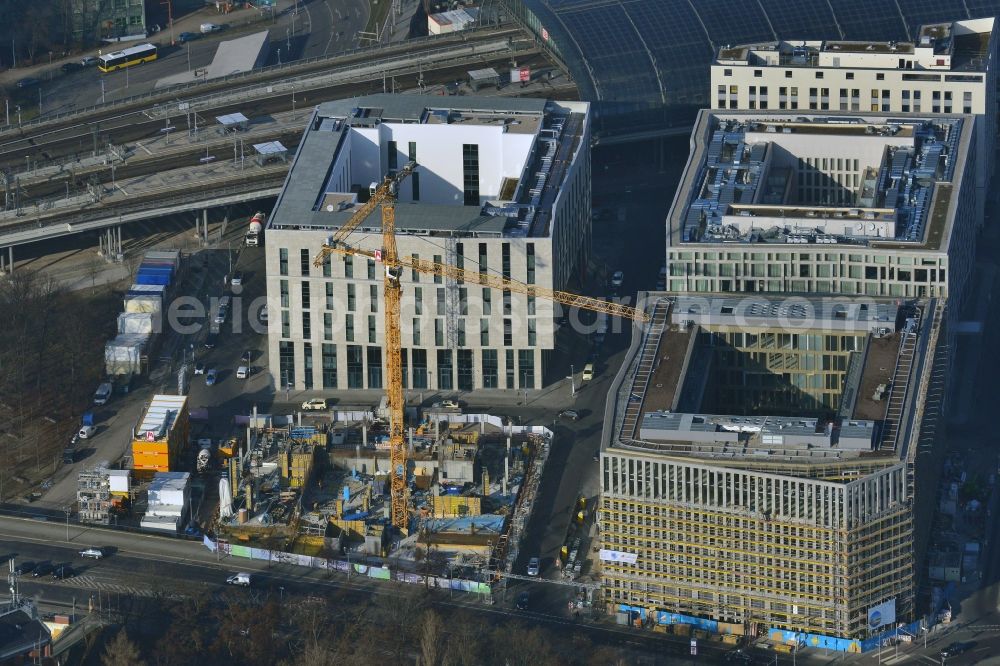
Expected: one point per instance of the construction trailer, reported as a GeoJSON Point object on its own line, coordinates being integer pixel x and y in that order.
{"type": "Point", "coordinates": [161, 437]}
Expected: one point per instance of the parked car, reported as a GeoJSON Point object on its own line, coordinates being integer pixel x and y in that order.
{"type": "Point", "coordinates": [210, 27]}
{"type": "Point", "coordinates": [220, 316]}
{"type": "Point", "coordinates": [241, 578]}
{"type": "Point", "coordinates": [68, 67]}
{"type": "Point", "coordinates": [263, 314]}
{"type": "Point", "coordinates": [242, 372]}
{"type": "Point", "coordinates": [187, 37]}
{"type": "Point", "coordinates": [89, 61]}
{"type": "Point", "coordinates": [569, 414]}
{"type": "Point", "coordinates": [211, 377]}
{"type": "Point", "coordinates": [522, 601]}
{"type": "Point", "coordinates": [93, 553]}
{"type": "Point", "coordinates": [237, 280]}
{"type": "Point", "coordinates": [588, 372]}
{"type": "Point", "coordinates": [27, 82]}
{"type": "Point", "coordinates": [210, 340]}
{"type": "Point", "coordinates": [314, 404]}
{"type": "Point", "coordinates": [617, 279]}
{"type": "Point", "coordinates": [199, 368]}
{"type": "Point", "coordinates": [533, 566]}
{"type": "Point", "coordinates": [42, 569]}
{"type": "Point", "coordinates": [87, 431]}
{"type": "Point", "coordinates": [63, 572]}
{"type": "Point", "coordinates": [445, 404]}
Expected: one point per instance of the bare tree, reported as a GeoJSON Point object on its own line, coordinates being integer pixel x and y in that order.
{"type": "Point", "coordinates": [121, 652]}
{"type": "Point", "coordinates": [430, 639]}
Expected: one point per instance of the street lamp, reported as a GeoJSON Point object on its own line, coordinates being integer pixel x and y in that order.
{"type": "Point", "coordinates": [67, 510]}
{"type": "Point", "coordinates": [572, 381]}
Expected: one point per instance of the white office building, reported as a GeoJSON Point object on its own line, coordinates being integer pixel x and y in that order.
{"type": "Point", "coordinates": [949, 69]}
{"type": "Point", "coordinates": [502, 187]}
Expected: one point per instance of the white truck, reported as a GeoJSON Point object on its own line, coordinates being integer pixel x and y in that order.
{"type": "Point", "coordinates": [255, 231]}
{"type": "Point", "coordinates": [103, 394]}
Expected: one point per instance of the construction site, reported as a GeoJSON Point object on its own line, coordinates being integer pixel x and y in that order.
{"type": "Point", "coordinates": [768, 449]}
{"type": "Point", "coordinates": [323, 489]}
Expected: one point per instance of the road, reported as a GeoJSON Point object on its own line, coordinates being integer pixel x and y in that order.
{"type": "Point", "coordinates": [145, 566]}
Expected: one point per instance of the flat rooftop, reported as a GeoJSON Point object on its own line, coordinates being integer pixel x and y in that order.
{"type": "Point", "coordinates": [649, 412]}
{"type": "Point", "coordinates": [779, 178]}
{"type": "Point", "coordinates": [524, 149]}
{"type": "Point", "coordinates": [956, 46]}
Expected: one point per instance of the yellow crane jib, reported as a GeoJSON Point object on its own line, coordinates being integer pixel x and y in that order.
{"type": "Point", "coordinates": [385, 192]}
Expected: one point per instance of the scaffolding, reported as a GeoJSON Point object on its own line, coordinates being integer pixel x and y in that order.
{"type": "Point", "coordinates": [93, 496]}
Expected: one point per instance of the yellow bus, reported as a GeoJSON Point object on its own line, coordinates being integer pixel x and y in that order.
{"type": "Point", "coordinates": [133, 55]}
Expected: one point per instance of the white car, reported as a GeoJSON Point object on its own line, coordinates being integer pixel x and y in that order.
{"type": "Point", "coordinates": [445, 404]}
{"type": "Point", "coordinates": [263, 314]}
{"type": "Point", "coordinates": [89, 61]}
{"type": "Point", "coordinates": [93, 553]}
{"type": "Point", "coordinates": [588, 372]}
{"type": "Point", "coordinates": [617, 278]}
{"type": "Point", "coordinates": [239, 579]}
{"type": "Point", "coordinates": [242, 372]}
{"type": "Point", "coordinates": [87, 431]}
{"type": "Point", "coordinates": [210, 27]}
{"type": "Point", "coordinates": [533, 564]}
{"type": "Point", "coordinates": [314, 404]}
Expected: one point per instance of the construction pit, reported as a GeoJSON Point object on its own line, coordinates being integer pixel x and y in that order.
{"type": "Point", "coordinates": [322, 489]}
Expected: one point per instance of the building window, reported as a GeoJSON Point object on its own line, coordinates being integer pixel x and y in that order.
{"type": "Point", "coordinates": [966, 102]}
{"type": "Point", "coordinates": [286, 363]}
{"type": "Point", "coordinates": [463, 301]}
{"type": "Point", "coordinates": [470, 174]}
{"type": "Point", "coordinates": [506, 303]}
{"type": "Point", "coordinates": [465, 369]}
{"type": "Point", "coordinates": [416, 332]}
{"type": "Point", "coordinates": [439, 333]}
{"type": "Point", "coordinates": [286, 327]}
{"type": "Point", "coordinates": [440, 301]}
{"type": "Point", "coordinates": [757, 73]}
{"type": "Point", "coordinates": [788, 73]}
{"type": "Point", "coordinates": [526, 368]}
{"type": "Point", "coordinates": [329, 295]}
{"type": "Point", "coordinates": [306, 326]}
{"type": "Point", "coordinates": [329, 366]}
{"type": "Point", "coordinates": [348, 266]}
{"type": "Point", "coordinates": [352, 299]}
{"type": "Point", "coordinates": [531, 263]}
{"type": "Point", "coordinates": [460, 332]}
{"type": "Point", "coordinates": [355, 367]}
{"type": "Point", "coordinates": [505, 260]}
{"type": "Point", "coordinates": [531, 305]}
{"type": "Point", "coordinates": [283, 288]}
{"type": "Point", "coordinates": [415, 185]}
{"type": "Point", "coordinates": [850, 76]}
{"type": "Point", "coordinates": [916, 101]}
{"type": "Point", "coordinates": [371, 329]}
{"type": "Point", "coordinates": [373, 296]}
{"type": "Point", "coordinates": [437, 276]}
{"type": "Point", "coordinates": [483, 258]}
{"type": "Point", "coordinates": [727, 72]}
{"type": "Point", "coordinates": [819, 75]}
{"type": "Point", "coordinates": [283, 261]}
{"type": "Point", "coordinates": [484, 332]}
{"type": "Point", "coordinates": [349, 327]}
{"type": "Point", "coordinates": [374, 367]}
{"type": "Point", "coordinates": [509, 367]}
{"type": "Point", "coordinates": [393, 161]}
{"type": "Point", "coordinates": [414, 274]}
{"type": "Point", "coordinates": [328, 266]}
{"type": "Point", "coordinates": [460, 259]}
{"type": "Point", "coordinates": [412, 153]}
{"type": "Point", "coordinates": [487, 302]}
{"type": "Point", "coordinates": [444, 370]}
{"type": "Point", "coordinates": [307, 365]}
{"type": "Point", "coordinates": [491, 369]}
{"type": "Point", "coordinates": [880, 77]}
{"type": "Point", "coordinates": [532, 333]}
{"type": "Point", "coordinates": [508, 335]}
{"type": "Point", "coordinates": [371, 269]}
{"type": "Point", "coordinates": [304, 262]}
{"type": "Point", "coordinates": [305, 294]}
{"type": "Point", "coordinates": [328, 326]}
{"type": "Point", "coordinates": [419, 368]}
{"type": "Point", "coordinates": [418, 301]}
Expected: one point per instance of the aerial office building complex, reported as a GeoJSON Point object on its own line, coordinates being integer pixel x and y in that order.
{"type": "Point", "coordinates": [950, 68]}
{"type": "Point", "coordinates": [758, 465]}
{"type": "Point", "coordinates": [501, 187]}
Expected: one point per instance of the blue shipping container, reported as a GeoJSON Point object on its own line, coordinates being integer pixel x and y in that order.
{"type": "Point", "coordinates": [159, 264]}
{"type": "Point", "coordinates": [157, 267]}
{"type": "Point", "coordinates": [152, 278]}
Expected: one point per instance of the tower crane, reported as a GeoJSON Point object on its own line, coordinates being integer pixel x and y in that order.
{"type": "Point", "coordinates": [385, 195]}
